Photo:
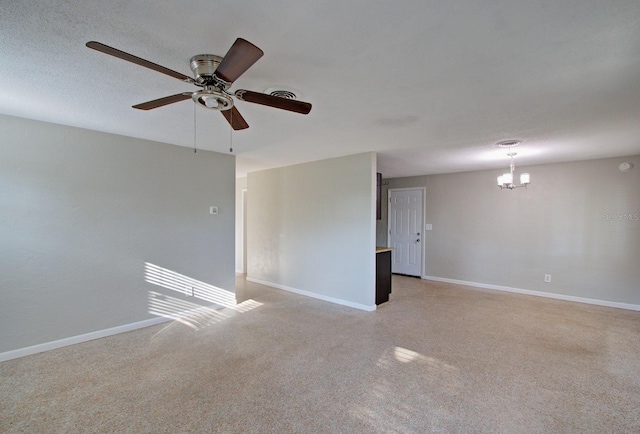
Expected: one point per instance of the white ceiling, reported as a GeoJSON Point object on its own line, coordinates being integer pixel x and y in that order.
{"type": "Point", "coordinates": [429, 85]}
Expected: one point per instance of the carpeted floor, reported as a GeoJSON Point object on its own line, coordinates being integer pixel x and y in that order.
{"type": "Point", "coordinates": [436, 358]}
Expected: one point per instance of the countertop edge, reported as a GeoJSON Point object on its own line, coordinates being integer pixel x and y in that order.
{"type": "Point", "coordinates": [380, 249]}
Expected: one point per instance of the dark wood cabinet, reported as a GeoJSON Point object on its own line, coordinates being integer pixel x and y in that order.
{"type": "Point", "coordinates": [383, 276]}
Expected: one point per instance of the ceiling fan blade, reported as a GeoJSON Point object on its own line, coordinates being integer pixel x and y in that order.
{"type": "Point", "coordinates": [291, 105]}
{"type": "Point", "coordinates": [163, 101]}
{"type": "Point", "coordinates": [235, 119]}
{"type": "Point", "coordinates": [138, 61]}
{"type": "Point", "coordinates": [238, 59]}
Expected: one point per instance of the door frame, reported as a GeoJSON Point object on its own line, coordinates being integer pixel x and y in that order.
{"type": "Point", "coordinates": [244, 231]}
{"type": "Point", "coordinates": [422, 223]}
{"type": "Point", "coordinates": [241, 233]}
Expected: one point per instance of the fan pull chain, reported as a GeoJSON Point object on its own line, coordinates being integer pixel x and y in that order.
{"type": "Point", "coordinates": [231, 132]}
{"type": "Point", "coordinates": [194, 129]}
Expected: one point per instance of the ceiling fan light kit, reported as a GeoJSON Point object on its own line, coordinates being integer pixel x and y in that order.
{"type": "Point", "coordinates": [505, 181]}
{"type": "Point", "coordinates": [215, 75]}
{"type": "Point", "coordinates": [212, 99]}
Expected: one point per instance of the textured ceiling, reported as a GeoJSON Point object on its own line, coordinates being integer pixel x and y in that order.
{"type": "Point", "coordinates": [429, 85]}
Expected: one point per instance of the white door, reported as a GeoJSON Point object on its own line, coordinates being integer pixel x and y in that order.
{"type": "Point", "coordinates": [405, 230]}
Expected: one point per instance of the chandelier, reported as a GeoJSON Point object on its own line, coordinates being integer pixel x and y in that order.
{"type": "Point", "coordinates": [506, 180]}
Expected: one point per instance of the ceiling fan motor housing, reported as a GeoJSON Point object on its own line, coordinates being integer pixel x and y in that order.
{"type": "Point", "coordinates": [203, 67]}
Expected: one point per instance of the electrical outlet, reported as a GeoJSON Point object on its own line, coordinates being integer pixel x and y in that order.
{"type": "Point", "coordinates": [547, 278]}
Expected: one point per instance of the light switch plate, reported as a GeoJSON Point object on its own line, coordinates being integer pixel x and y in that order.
{"type": "Point", "coordinates": [428, 227]}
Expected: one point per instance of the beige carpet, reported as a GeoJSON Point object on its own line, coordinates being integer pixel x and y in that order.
{"type": "Point", "coordinates": [436, 358]}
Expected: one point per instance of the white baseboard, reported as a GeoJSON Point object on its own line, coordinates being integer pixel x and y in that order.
{"type": "Point", "coordinates": [628, 306]}
{"type": "Point", "coordinates": [39, 348]}
{"type": "Point", "coordinates": [314, 295]}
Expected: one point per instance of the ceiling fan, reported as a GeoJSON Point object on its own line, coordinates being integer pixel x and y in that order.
{"type": "Point", "coordinates": [215, 75]}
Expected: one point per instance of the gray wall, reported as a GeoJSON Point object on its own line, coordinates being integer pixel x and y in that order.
{"type": "Point", "coordinates": [81, 212]}
{"type": "Point", "coordinates": [311, 228]}
{"type": "Point", "coordinates": [576, 221]}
